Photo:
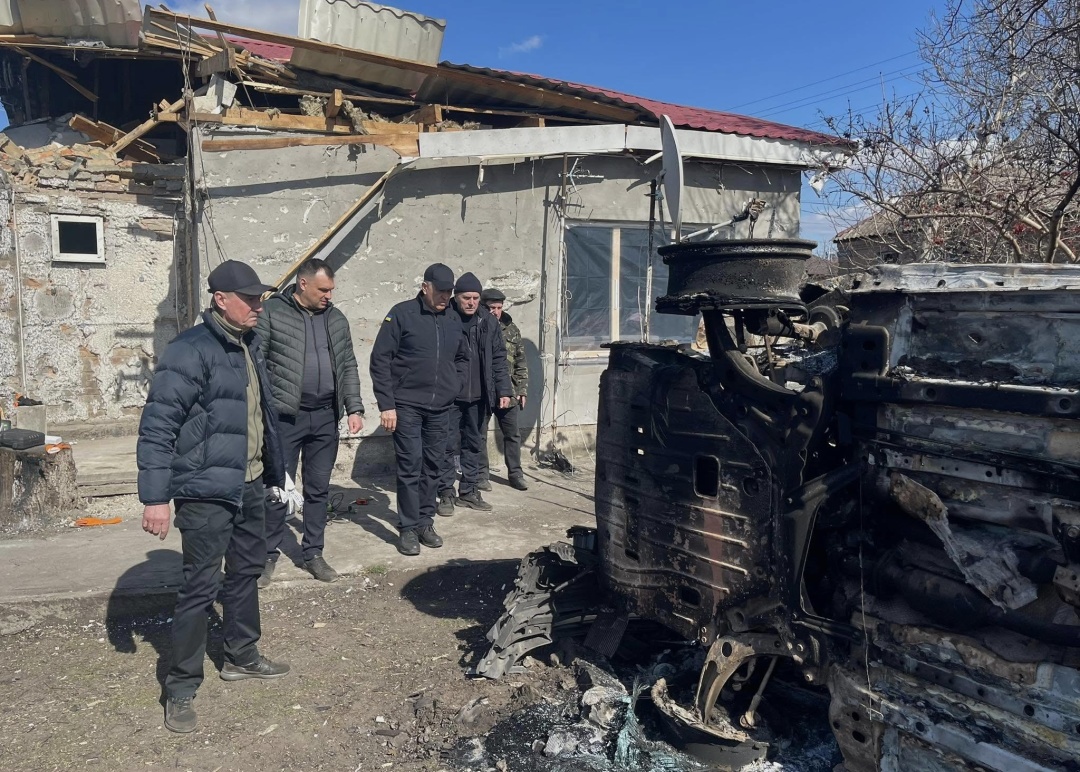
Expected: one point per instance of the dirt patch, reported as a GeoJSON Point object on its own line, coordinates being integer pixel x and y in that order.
{"type": "Point", "coordinates": [377, 682]}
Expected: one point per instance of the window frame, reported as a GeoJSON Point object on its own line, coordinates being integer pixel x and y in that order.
{"type": "Point", "coordinates": [78, 257]}
{"type": "Point", "coordinates": [578, 347]}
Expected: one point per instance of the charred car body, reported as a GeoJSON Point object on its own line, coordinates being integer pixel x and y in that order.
{"type": "Point", "coordinates": [875, 488]}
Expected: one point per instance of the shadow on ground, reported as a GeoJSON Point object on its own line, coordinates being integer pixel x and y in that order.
{"type": "Point", "coordinates": [472, 591]}
{"type": "Point", "coordinates": [134, 619]}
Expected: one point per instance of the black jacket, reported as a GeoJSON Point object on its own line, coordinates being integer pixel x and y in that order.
{"type": "Point", "coordinates": [193, 432]}
{"type": "Point", "coordinates": [283, 333]}
{"type": "Point", "coordinates": [419, 357]}
{"type": "Point", "coordinates": [493, 367]}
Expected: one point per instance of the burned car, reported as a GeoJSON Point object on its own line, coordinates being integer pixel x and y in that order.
{"type": "Point", "coordinates": [872, 488]}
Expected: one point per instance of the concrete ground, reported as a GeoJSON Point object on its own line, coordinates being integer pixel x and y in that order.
{"type": "Point", "coordinates": [100, 561]}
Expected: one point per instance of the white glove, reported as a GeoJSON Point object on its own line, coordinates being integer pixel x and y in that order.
{"type": "Point", "coordinates": [294, 498]}
{"type": "Point", "coordinates": [289, 496]}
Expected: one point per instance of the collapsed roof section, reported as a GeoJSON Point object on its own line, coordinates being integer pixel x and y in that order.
{"type": "Point", "coordinates": [138, 95]}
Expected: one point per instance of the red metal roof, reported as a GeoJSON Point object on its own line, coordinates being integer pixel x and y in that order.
{"type": "Point", "coordinates": [273, 51]}
{"type": "Point", "coordinates": [681, 116]}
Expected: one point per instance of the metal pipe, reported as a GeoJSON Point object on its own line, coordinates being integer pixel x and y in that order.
{"type": "Point", "coordinates": [749, 719]}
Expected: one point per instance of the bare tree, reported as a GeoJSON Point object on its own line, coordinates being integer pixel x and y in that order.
{"type": "Point", "coordinates": [983, 164]}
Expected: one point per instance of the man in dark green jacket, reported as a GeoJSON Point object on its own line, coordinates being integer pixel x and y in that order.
{"type": "Point", "coordinates": [493, 300]}
{"type": "Point", "coordinates": [314, 382]}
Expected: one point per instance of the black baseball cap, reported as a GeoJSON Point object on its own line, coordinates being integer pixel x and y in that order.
{"type": "Point", "coordinates": [234, 276]}
{"type": "Point", "coordinates": [440, 276]}
{"type": "Point", "coordinates": [492, 295]}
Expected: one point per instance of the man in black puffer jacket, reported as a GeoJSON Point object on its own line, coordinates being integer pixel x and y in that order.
{"type": "Point", "coordinates": [313, 383]}
{"type": "Point", "coordinates": [207, 443]}
{"type": "Point", "coordinates": [417, 367]}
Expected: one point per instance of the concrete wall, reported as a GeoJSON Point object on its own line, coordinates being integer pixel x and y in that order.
{"type": "Point", "coordinates": [10, 338]}
{"type": "Point", "coordinates": [90, 332]}
{"type": "Point", "coordinates": [504, 222]}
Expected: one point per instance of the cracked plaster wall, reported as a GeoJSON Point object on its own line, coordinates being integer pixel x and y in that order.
{"type": "Point", "coordinates": [91, 332]}
{"type": "Point", "coordinates": [267, 207]}
{"type": "Point", "coordinates": [9, 311]}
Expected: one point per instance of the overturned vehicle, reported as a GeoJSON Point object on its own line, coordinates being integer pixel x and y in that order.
{"type": "Point", "coordinates": [873, 489]}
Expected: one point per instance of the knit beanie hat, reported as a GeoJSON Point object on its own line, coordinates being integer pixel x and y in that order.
{"type": "Point", "coordinates": [467, 282]}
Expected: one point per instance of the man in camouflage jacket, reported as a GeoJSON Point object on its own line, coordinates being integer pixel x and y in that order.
{"type": "Point", "coordinates": [519, 381]}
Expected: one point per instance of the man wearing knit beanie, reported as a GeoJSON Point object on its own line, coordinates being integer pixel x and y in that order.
{"type": "Point", "coordinates": [486, 387]}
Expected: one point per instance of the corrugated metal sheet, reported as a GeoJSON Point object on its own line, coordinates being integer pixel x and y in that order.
{"type": "Point", "coordinates": [114, 22]}
{"type": "Point", "coordinates": [681, 116]}
{"type": "Point", "coordinates": [370, 27]}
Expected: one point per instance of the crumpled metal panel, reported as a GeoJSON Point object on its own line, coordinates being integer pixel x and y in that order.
{"type": "Point", "coordinates": [677, 548]}
{"type": "Point", "coordinates": [370, 27]}
{"type": "Point", "coordinates": [113, 22]}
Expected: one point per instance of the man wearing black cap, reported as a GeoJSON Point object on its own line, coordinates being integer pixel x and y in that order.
{"type": "Point", "coordinates": [492, 299]}
{"type": "Point", "coordinates": [486, 386]}
{"type": "Point", "coordinates": [417, 367]}
{"type": "Point", "coordinates": [208, 443]}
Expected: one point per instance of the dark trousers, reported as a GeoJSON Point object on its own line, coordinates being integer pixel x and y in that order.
{"type": "Point", "coordinates": [464, 440]}
{"type": "Point", "coordinates": [420, 447]}
{"type": "Point", "coordinates": [511, 440]}
{"type": "Point", "coordinates": [209, 532]}
{"type": "Point", "coordinates": [310, 436]}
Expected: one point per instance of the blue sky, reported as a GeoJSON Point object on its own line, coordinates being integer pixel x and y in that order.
{"type": "Point", "coordinates": [784, 60]}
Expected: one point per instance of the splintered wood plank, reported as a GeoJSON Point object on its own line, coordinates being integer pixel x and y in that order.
{"type": "Point", "coordinates": [335, 103]}
{"type": "Point", "coordinates": [105, 135]}
{"type": "Point", "coordinates": [143, 127]}
{"type": "Point", "coordinates": [402, 144]}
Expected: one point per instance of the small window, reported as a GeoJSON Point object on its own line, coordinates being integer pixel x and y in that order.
{"type": "Point", "coordinates": [890, 258]}
{"type": "Point", "coordinates": [78, 238]}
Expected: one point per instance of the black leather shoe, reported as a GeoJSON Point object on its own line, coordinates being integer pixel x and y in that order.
{"type": "Point", "coordinates": [484, 485]}
{"type": "Point", "coordinates": [320, 569]}
{"type": "Point", "coordinates": [518, 483]}
{"type": "Point", "coordinates": [446, 505]}
{"type": "Point", "coordinates": [427, 536]}
{"type": "Point", "coordinates": [260, 668]}
{"type": "Point", "coordinates": [473, 501]}
{"type": "Point", "coordinates": [180, 716]}
{"type": "Point", "coordinates": [408, 543]}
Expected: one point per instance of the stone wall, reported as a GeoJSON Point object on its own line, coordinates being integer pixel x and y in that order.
{"type": "Point", "coordinates": [90, 331]}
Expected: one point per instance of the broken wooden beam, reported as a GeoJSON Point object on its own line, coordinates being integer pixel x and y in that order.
{"type": "Point", "coordinates": [99, 131]}
{"type": "Point", "coordinates": [273, 88]}
{"type": "Point", "coordinates": [335, 103]}
{"type": "Point", "coordinates": [402, 144]}
{"type": "Point", "coordinates": [527, 94]}
{"type": "Point", "coordinates": [279, 121]}
{"type": "Point", "coordinates": [68, 77]}
{"type": "Point", "coordinates": [142, 128]}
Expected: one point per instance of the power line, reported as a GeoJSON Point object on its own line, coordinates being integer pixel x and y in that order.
{"type": "Point", "coordinates": [851, 88]}
{"type": "Point", "coordinates": [823, 80]}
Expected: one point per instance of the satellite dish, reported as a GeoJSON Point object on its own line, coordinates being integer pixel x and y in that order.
{"type": "Point", "coordinates": [672, 175]}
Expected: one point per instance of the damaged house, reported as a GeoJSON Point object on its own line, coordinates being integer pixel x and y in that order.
{"type": "Point", "coordinates": [147, 147]}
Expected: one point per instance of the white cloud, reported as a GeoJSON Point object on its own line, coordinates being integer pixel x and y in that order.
{"type": "Point", "coordinates": [270, 15]}
{"type": "Point", "coordinates": [524, 47]}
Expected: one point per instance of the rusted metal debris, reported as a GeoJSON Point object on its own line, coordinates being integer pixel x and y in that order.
{"type": "Point", "coordinates": [888, 509]}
